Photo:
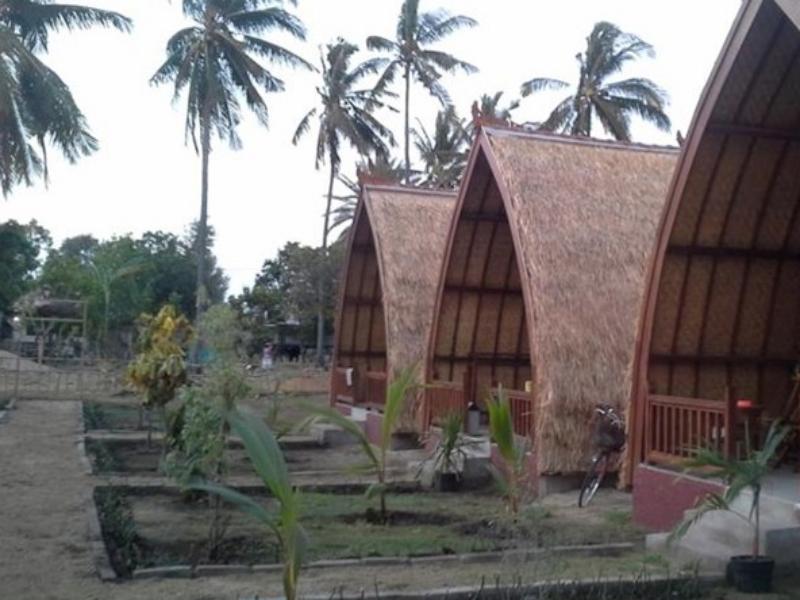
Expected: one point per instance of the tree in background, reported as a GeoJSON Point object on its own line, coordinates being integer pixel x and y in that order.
{"type": "Point", "coordinates": [409, 54]}
{"type": "Point", "coordinates": [444, 151]}
{"type": "Point", "coordinates": [345, 115]}
{"type": "Point", "coordinates": [215, 61]}
{"type": "Point", "coordinates": [608, 50]}
{"type": "Point", "coordinates": [123, 277]}
{"type": "Point", "coordinates": [38, 107]}
{"type": "Point", "coordinates": [21, 254]}
{"type": "Point", "coordinates": [489, 107]}
{"type": "Point", "coordinates": [286, 289]}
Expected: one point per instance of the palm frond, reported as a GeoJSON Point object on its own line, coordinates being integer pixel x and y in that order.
{"type": "Point", "coordinates": [380, 44]}
{"type": "Point", "coordinates": [541, 83]}
{"type": "Point", "coordinates": [269, 19]}
{"type": "Point", "coordinates": [435, 26]}
{"type": "Point", "coordinates": [447, 62]}
{"type": "Point", "coordinates": [303, 126]}
{"type": "Point", "coordinates": [613, 118]}
{"type": "Point", "coordinates": [275, 53]}
{"type": "Point", "coordinates": [34, 20]}
{"type": "Point", "coordinates": [562, 117]}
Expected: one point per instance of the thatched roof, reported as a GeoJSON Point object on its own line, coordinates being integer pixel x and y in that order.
{"type": "Point", "coordinates": [410, 228]}
{"type": "Point", "coordinates": [393, 263]}
{"type": "Point", "coordinates": [582, 216]}
{"type": "Point", "coordinates": [722, 297]}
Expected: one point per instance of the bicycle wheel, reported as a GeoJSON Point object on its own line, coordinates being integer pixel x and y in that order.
{"type": "Point", "coordinates": [593, 479]}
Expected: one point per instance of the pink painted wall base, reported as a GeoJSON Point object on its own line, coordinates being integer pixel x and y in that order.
{"type": "Point", "coordinates": [660, 497]}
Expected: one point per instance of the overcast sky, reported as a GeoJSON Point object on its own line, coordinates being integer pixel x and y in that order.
{"type": "Point", "coordinates": [144, 177]}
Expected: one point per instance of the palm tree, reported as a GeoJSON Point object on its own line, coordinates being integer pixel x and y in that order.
{"type": "Point", "coordinates": [444, 152]}
{"type": "Point", "coordinates": [488, 107]}
{"type": "Point", "coordinates": [37, 108]}
{"type": "Point", "coordinates": [613, 104]}
{"type": "Point", "coordinates": [344, 114]}
{"type": "Point", "coordinates": [410, 56]}
{"type": "Point", "coordinates": [215, 61]}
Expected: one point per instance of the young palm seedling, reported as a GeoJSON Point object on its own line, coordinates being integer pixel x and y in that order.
{"type": "Point", "coordinates": [401, 386]}
{"type": "Point", "coordinates": [749, 573]}
{"type": "Point", "coordinates": [450, 454]}
{"type": "Point", "coordinates": [512, 477]}
{"type": "Point", "coordinates": [267, 460]}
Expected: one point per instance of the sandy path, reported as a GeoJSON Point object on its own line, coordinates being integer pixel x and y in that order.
{"type": "Point", "coordinates": [42, 491]}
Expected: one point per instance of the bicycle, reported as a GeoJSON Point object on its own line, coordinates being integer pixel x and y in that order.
{"type": "Point", "coordinates": [608, 439]}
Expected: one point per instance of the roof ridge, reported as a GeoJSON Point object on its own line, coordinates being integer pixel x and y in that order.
{"type": "Point", "coordinates": [408, 189]}
{"type": "Point", "coordinates": [549, 136]}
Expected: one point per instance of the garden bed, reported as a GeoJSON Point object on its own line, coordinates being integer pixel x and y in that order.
{"type": "Point", "coordinates": [286, 410]}
{"type": "Point", "coordinates": [118, 416]}
{"type": "Point", "coordinates": [145, 528]}
{"type": "Point", "coordinates": [137, 458]}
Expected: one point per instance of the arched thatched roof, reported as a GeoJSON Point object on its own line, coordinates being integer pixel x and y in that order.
{"type": "Point", "coordinates": [391, 273]}
{"type": "Point", "coordinates": [722, 308]}
{"type": "Point", "coordinates": [544, 272]}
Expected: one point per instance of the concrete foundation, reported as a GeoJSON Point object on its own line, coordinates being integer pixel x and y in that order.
{"type": "Point", "coordinates": [662, 499]}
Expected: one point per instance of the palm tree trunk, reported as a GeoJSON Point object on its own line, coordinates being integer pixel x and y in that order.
{"type": "Point", "coordinates": [202, 229]}
{"type": "Point", "coordinates": [407, 130]}
{"type": "Point", "coordinates": [322, 271]}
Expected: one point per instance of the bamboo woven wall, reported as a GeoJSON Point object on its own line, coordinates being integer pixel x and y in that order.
{"type": "Point", "coordinates": [726, 313]}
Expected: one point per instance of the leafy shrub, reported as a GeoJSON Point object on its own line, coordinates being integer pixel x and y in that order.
{"type": "Point", "coordinates": [159, 369]}
{"type": "Point", "coordinates": [197, 441]}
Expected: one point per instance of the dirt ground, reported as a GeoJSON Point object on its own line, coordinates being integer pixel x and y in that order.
{"type": "Point", "coordinates": [44, 552]}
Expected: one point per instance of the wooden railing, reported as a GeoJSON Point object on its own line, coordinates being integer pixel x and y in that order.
{"type": "Point", "coordinates": [341, 391]}
{"type": "Point", "coordinates": [443, 398]}
{"type": "Point", "coordinates": [376, 388]}
{"type": "Point", "coordinates": [521, 411]}
{"type": "Point", "coordinates": [676, 426]}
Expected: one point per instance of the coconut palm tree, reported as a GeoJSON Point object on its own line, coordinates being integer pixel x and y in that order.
{"type": "Point", "coordinates": [612, 103]}
{"type": "Point", "coordinates": [37, 107]}
{"type": "Point", "coordinates": [443, 152]}
{"type": "Point", "coordinates": [488, 107]}
{"type": "Point", "coordinates": [345, 115]}
{"type": "Point", "coordinates": [409, 55]}
{"type": "Point", "coordinates": [214, 61]}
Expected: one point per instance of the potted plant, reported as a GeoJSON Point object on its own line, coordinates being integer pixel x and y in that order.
{"type": "Point", "coordinates": [449, 455]}
{"type": "Point", "coordinates": [752, 572]}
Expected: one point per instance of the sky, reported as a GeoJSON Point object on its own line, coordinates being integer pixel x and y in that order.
{"type": "Point", "coordinates": [144, 177]}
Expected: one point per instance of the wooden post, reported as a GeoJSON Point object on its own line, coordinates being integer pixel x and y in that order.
{"type": "Point", "coordinates": [730, 423]}
{"type": "Point", "coordinates": [648, 427]}
{"type": "Point", "coordinates": [467, 386]}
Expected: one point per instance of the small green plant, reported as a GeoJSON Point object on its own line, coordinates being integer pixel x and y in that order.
{"type": "Point", "coordinates": [450, 452]}
{"type": "Point", "coordinates": [397, 392]}
{"type": "Point", "coordinates": [267, 460]}
{"type": "Point", "coordinates": [159, 369]}
{"type": "Point", "coordinates": [118, 528]}
{"type": "Point", "coordinates": [512, 478]}
{"type": "Point", "coordinates": [199, 434]}
{"type": "Point", "coordinates": [739, 474]}
{"type": "Point", "coordinates": [197, 447]}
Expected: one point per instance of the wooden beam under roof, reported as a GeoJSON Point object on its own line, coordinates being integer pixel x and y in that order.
{"type": "Point", "coordinates": [770, 133]}
{"type": "Point", "coordinates": [730, 252]}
